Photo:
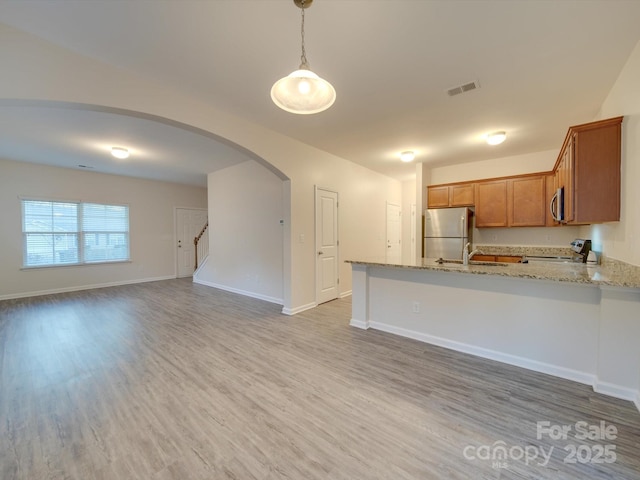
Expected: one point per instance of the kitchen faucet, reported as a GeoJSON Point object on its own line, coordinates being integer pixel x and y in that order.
{"type": "Point", "coordinates": [466, 255]}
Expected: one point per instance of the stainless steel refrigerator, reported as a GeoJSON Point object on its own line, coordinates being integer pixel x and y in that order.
{"type": "Point", "coordinates": [446, 232]}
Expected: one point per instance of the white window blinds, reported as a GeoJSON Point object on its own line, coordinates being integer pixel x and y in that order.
{"type": "Point", "coordinates": [105, 232]}
{"type": "Point", "coordinates": [67, 233]}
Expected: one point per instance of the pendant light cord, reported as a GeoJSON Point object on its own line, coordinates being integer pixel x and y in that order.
{"type": "Point", "coordinates": [303, 58]}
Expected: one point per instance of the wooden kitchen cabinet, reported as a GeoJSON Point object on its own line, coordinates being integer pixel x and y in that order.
{"type": "Point", "coordinates": [527, 201]}
{"type": "Point", "coordinates": [509, 258]}
{"type": "Point", "coordinates": [588, 168]}
{"type": "Point", "coordinates": [458, 195]}
{"type": "Point", "coordinates": [511, 202]}
{"type": "Point", "coordinates": [491, 204]}
{"type": "Point", "coordinates": [438, 197]}
{"type": "Point", "coordinates": [462, 195]}
{"type": "Point", "coordinates": [480, 257]}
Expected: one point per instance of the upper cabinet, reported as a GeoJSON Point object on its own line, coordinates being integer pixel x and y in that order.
{"type": "Point", "coordinates": [456, 195]}
{"type": "Point", "coordinates": [587, 172]}
{"type": "Point", "coordinates": [491, 204]}
{"type": "Point", "coordinates": [511, 202]}
{"type": "Point", "coordinates": [528, 201]}
{"type": "Point", "coordinates": [588, 169]}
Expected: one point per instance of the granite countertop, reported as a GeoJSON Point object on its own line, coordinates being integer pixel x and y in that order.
{"type": "Point", "coordinates": [611, 272]}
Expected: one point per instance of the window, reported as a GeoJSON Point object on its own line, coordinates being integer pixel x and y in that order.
{"type": "Point", "coordinates": [69, 233]}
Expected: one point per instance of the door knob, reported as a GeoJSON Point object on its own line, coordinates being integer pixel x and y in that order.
{"type": "Point", "coordinates": [320, 252]}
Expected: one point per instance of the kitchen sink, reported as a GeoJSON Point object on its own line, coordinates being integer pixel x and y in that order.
{"type": "Point", "coordinates": [441, 261]}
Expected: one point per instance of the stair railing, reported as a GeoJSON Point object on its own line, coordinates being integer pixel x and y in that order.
{"type": "Point", "coordinates": [201, 244]}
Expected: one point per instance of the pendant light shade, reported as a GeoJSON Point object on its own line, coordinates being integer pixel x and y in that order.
{"type": "Point", "coordinates": [302, 91]}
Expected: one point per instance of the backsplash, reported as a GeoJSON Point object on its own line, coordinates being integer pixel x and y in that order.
{"type": "Point", "coordinates": [549, 236]}
{"type": "Point", "coordinates": [524, 250]}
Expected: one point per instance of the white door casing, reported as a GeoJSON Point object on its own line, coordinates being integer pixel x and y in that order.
{"type": "Point", "coordinates": [326, 245]}
{"type": "Point", "coordinates": [394, 233]}
{"type": "Point", "coordinates": [189, 223]}
{"type": "Point", "coordinates": [413, 233]}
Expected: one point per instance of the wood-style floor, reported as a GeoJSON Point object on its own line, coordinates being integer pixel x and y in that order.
{"type": "Point", "coordinates": [171, 380]}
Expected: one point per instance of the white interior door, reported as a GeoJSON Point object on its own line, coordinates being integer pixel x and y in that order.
{"type": "Point", "coordinates": [326, 245]}
{"type": "Point", "coordinates": [394, 233]}
{"type": "Point", "coordinates": [189, 223]}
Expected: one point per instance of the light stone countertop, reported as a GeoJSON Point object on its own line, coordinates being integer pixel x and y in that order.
{"type": "Point", "coordinates": [611, 272]}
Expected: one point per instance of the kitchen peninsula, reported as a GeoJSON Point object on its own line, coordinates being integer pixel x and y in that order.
{"type": "Point", "coordinates": [570, 320]}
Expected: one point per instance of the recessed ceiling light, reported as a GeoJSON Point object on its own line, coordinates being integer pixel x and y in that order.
{"type": "Point", "coordinates": [407, 156]}
{"type": "Point", "coordinates": [496, 138]}
{"type": "Point", "coordinates": [120, 152]}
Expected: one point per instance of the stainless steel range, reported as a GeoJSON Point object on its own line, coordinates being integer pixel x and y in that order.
{"type": "Point", "coordinates": [581, 248]}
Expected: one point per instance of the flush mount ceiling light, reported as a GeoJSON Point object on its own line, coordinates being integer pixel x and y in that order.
{"type": "Point", "coordinates": [120, 152]}
{"type": "Point", "coordinates": [496, 138]}
{"type": "Point", "coordinates": [407, 156]}
{"type": "Point", "coordinates": [302, 91]}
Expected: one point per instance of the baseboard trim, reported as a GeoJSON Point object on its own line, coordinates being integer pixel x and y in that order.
{"type": "Point", "coordinates": [346, 294]}
{"type": "Point", "coordinates": [204, 262]}
{"type": "Point", "coordinates": [79, 288]}
{"type": "Point", "coordinates": [302, 308]}
{"type": "Point", "coordinates": [259, 296]}
{"type": "Point", "coordinates": [614, 390]}
{"type": "Point", "coordinates": [363, 324]}
{"type": "Point", "coordinates": [562, 372]}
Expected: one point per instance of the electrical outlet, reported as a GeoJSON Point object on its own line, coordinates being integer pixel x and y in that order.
{"type": "Point", "coordinates": [301, 238]}
{"type": "Point", "coordinates": [416, 307]}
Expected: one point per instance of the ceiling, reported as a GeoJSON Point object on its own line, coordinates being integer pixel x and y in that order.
{"type": "Point", "coordinates": [541, 66]}
{"type": "Point", "coordinates": [83, 139]}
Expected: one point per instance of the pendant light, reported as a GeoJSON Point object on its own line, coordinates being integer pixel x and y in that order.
{"type": "Point", "coordinates": [302, 91]}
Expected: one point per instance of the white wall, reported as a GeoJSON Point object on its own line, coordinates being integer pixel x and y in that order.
{"type": "Point", "coordinates": [245, 234]}
{"type": "Point", "coordinates": [496, 167]}
{"type": "Point", "coordinates": [408, 199]}
{"type": "Point", "coordinates": [152, 231]}
{"type": "Point", "coordinates": [362, 226]}
{"type": "Point", "coordinates": [35, 69]}
{"type": "Point", "coordinates": [620, 240]}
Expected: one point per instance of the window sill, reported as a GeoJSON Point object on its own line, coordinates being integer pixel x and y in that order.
{"type": "Point", "coordinates": [87, 264]}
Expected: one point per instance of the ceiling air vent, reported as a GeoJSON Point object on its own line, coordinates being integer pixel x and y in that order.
{"type": "Point", "coordinates": [467, 87]}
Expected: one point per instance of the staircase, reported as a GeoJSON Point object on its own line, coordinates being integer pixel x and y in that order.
{"type": "Point", "coordinates": [201, 244]}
